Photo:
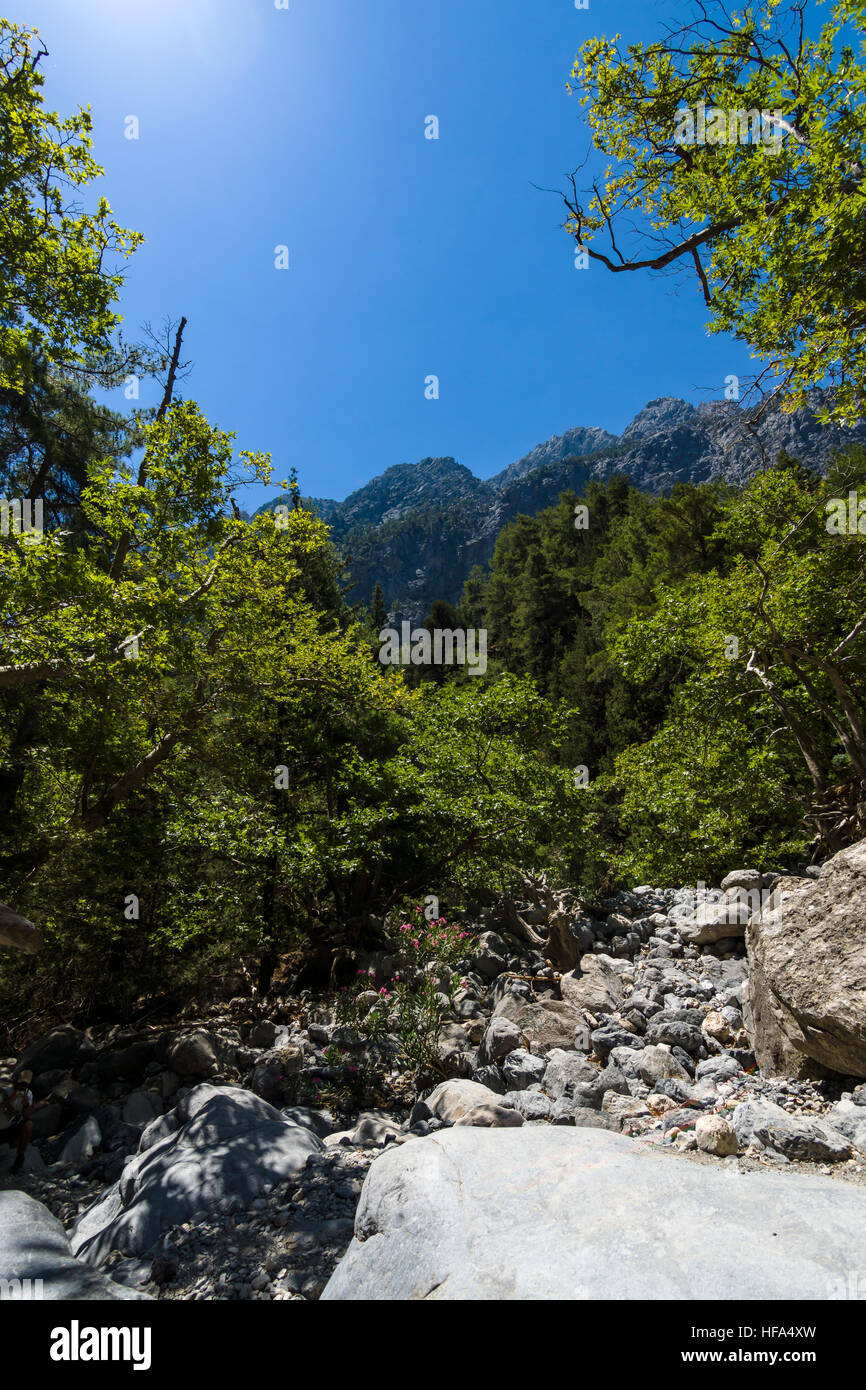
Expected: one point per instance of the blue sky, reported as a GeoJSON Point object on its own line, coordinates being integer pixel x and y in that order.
{"type": "Point", "coordinates": [409, 257]}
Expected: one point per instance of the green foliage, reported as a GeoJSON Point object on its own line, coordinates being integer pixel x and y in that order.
{"type": "Point", "coordinates": [378, 610]}
{"type": "Point", "coordinates": [201, 757]}
{"type": "Point", "coordinates": [771, 710]}
{"type": "Point", "coordinates": [191, 718]}
{"type": "Point", "coordinates": [56, 294]}
{"type": "Point", "coordinates": [555, 590]}
{"type": "Point", "coordinates": [713, 638]}
{"type": "Point", "coordinates": [416, 1001]}
{"type": "Point", "coordinates": [773, 228]}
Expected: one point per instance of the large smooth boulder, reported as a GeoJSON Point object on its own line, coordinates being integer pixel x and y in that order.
{"type": "Point", "coordinates": [553, 1212]}
{"type": "Point", "coordinates": [33, 1246]}
{"type": "Point", "coordinates": [805, 1004]}
{"type": "Point", "coordinates": [230, 1144]}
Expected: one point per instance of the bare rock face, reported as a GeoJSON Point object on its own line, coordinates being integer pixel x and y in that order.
{"type": "Point", "coordinates": [555, 1212]}
{"type": "Point", "coordinates": [805, 1005]}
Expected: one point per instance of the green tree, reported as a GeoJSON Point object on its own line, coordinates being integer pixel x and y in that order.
{"type": "Point", "coordinates": [770, 714]}
{"type": "Point", "coordinates": [771, 220]}
{"type": "Point", "coordinates": [378, 610]}
{"type": "Point", "coordinates": [56, 289]}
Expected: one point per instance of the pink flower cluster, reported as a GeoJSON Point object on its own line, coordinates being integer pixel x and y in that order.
{"type": "Point", "coordinates": [445, 935]}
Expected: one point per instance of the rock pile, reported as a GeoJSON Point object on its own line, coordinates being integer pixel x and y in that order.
{"type": "Point", "coordinates": [174, 1158]}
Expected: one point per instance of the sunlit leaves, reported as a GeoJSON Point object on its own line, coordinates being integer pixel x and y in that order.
{"type": "Point", "coordinates": [59, 273]}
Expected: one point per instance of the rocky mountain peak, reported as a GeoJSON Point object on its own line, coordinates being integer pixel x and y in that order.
{"type": "Point", "coordinates": [658, 415]}
{"type": "Point", "coordinates": [418, 528]}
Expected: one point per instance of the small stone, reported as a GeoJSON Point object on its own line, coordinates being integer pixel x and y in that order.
{"type": "Point", "coordinates": [521, 1069]}
{"type": "Point", "coordinates": [658, 1104]}
{"type": "Point", "coordinates": [715, 1136]}
{"type": "Point", "coordinates": [715, 1025]}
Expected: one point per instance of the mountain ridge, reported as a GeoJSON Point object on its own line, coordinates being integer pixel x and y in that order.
{"type": "Point", "coordinates": [418, 529]}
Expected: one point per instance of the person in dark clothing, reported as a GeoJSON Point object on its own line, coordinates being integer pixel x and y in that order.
{"type": "Point", "coordinates": [19, 1106]}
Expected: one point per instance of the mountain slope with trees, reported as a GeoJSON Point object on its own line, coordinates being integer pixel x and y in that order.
{"type": "Point", "coordinates": [419, 530]}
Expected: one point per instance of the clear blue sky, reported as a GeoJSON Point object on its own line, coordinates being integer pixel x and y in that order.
{"type": "Point", "coordinates": [409, 257]}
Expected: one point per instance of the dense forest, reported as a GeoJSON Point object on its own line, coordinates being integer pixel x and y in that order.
{"type": "Point", "coordinates": [204, 765]}
{"type": "Point", "coordinates": [710, 647]}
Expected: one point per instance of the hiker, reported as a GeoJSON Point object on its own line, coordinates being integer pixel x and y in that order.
{"type": "Point", "coordinates": [19, 1104]}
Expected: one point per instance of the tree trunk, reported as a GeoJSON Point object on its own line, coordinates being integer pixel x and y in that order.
{"type": "Point", "coordinates": [516, 925]}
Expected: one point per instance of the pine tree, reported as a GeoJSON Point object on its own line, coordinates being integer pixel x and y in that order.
{"type": "Point", "coordinates": [378, 610]}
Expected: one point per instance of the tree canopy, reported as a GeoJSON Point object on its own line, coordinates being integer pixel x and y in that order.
{"type": "Point", "coordinates": [767, 211]}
